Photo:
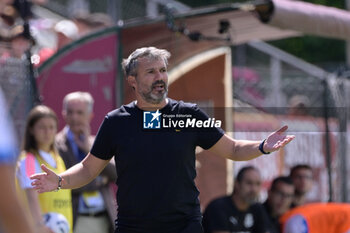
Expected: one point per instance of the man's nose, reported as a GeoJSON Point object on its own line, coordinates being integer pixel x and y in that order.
{"type": "Point", "coordinates": [158, 75]}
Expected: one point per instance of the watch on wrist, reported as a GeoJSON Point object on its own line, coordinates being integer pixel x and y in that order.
{"type": "Point", "coordinates": [59, 186]}
{"type": "Point", "coordinates": [261, 148]}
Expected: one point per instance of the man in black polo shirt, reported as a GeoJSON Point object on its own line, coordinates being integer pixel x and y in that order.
{"type": "Point", "coordinates": [239, 212]}
{"type": "Point", "coordinates": [156, 165]}
{"type": "Point", "coordinates": [278, 202]}
{"type": "Point", "coordinates": [302, 177]}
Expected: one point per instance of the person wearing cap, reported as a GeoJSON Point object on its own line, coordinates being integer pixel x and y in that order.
{"type": "Point", "coordinates": [88, 23]}
{"type": "Point", "coordinates": [67, 31]}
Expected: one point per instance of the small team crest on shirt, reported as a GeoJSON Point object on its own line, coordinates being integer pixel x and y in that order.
{"type": "Point", "coordinates": [151, 119]}
{"type": "Point", "coordinates": [233, 220]}
{"type": "Point", "coordinates": [248, 220]}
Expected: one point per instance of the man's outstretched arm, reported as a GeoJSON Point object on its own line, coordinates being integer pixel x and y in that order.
{"type": "Point", "coordinates": [80, 174]}
{"type": "Point", "coordinates": [241, 150]}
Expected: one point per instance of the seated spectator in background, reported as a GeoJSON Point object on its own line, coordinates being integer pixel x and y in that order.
{"type": "Point", "coordinates": [38, 149]}
{"type": "Point", "coordinates": [278, 202]}
{"type": "Point", "coordinates": [21, 41]}
{"type": "Point", "coordinates": [238, 212]}
{"type": "Point", "coordinates": [91, 22]}
{"type": "Point", "coordinates": [67, 31]}
{"type": "Point", "coordinates": [317, 218]}
{"type": "Point", "coordinates": [301, 175]}
{"type": "Point", "coordinates": [17, 41]}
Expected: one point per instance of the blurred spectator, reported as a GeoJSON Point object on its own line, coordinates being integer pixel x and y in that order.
{"type": "Point", "coordinates": [302, 177]}
{"type": "Point", "coordinates": [279, 200]}
{"type": "Point", "coordinates": [88, 23]}
{"type": "Point", "coordinates": [8, 15]}
{"type": "Point", "coordinates": [16, 41]}
{"type": "Point", "coordinates": [66, 31]}
{"type": "Point", "coordinates": [12, 217]}
{"type": "Point", "coordinates": [238, 212]}
{"type": "Point", "coordinates": [12, 11]}
{"type": "Point", "coordinates": [21, 40]}
{"type": "Point", "coordinates": [298, 105]}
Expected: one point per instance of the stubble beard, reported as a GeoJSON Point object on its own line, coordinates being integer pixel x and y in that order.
{"type": "Point", "coordinates": [157, 98]}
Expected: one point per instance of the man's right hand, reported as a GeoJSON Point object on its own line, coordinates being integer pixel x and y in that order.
{"type": "Point", "coordinates": [46, 181]}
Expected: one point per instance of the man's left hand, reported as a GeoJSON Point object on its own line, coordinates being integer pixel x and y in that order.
{"type": "Point", "coordinates": [277, 140]}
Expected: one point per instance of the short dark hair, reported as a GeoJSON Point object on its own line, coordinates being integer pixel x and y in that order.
{"type": "Point", "coordinates": [281, 179]}
{"type": "Point", "coordinates": [240, 174]}
{"type": "Point", "coordinates": [297, 167]}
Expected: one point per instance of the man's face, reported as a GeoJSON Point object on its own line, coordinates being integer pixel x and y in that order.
{"type": "Point", "coordinates": [19, 46]}
{"type": "Point", "coordinates": [151, 82]}
{"type": "Point", "coordinates": [77, 116]}
{"type": "Point", "coordinates": [302, 179]}
{"type": "Point", "coordinates": [280, 198]}
{"type": "Point", "coordinates": [250, 186]}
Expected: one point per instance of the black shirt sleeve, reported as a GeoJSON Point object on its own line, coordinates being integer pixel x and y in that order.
{"type": "Point", "coordinates": [206, 137]}
{"type": "Point", "coordinates": [103, 144]}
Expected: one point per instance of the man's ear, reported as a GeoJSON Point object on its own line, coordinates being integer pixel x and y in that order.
{"type": "Point", "coordinates": [91, 116]}
{"type": "Point", "coordinates": [132, 81]}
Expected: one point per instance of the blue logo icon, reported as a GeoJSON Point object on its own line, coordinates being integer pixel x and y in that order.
{"type": "Point", "coordinates": [151, 120]}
